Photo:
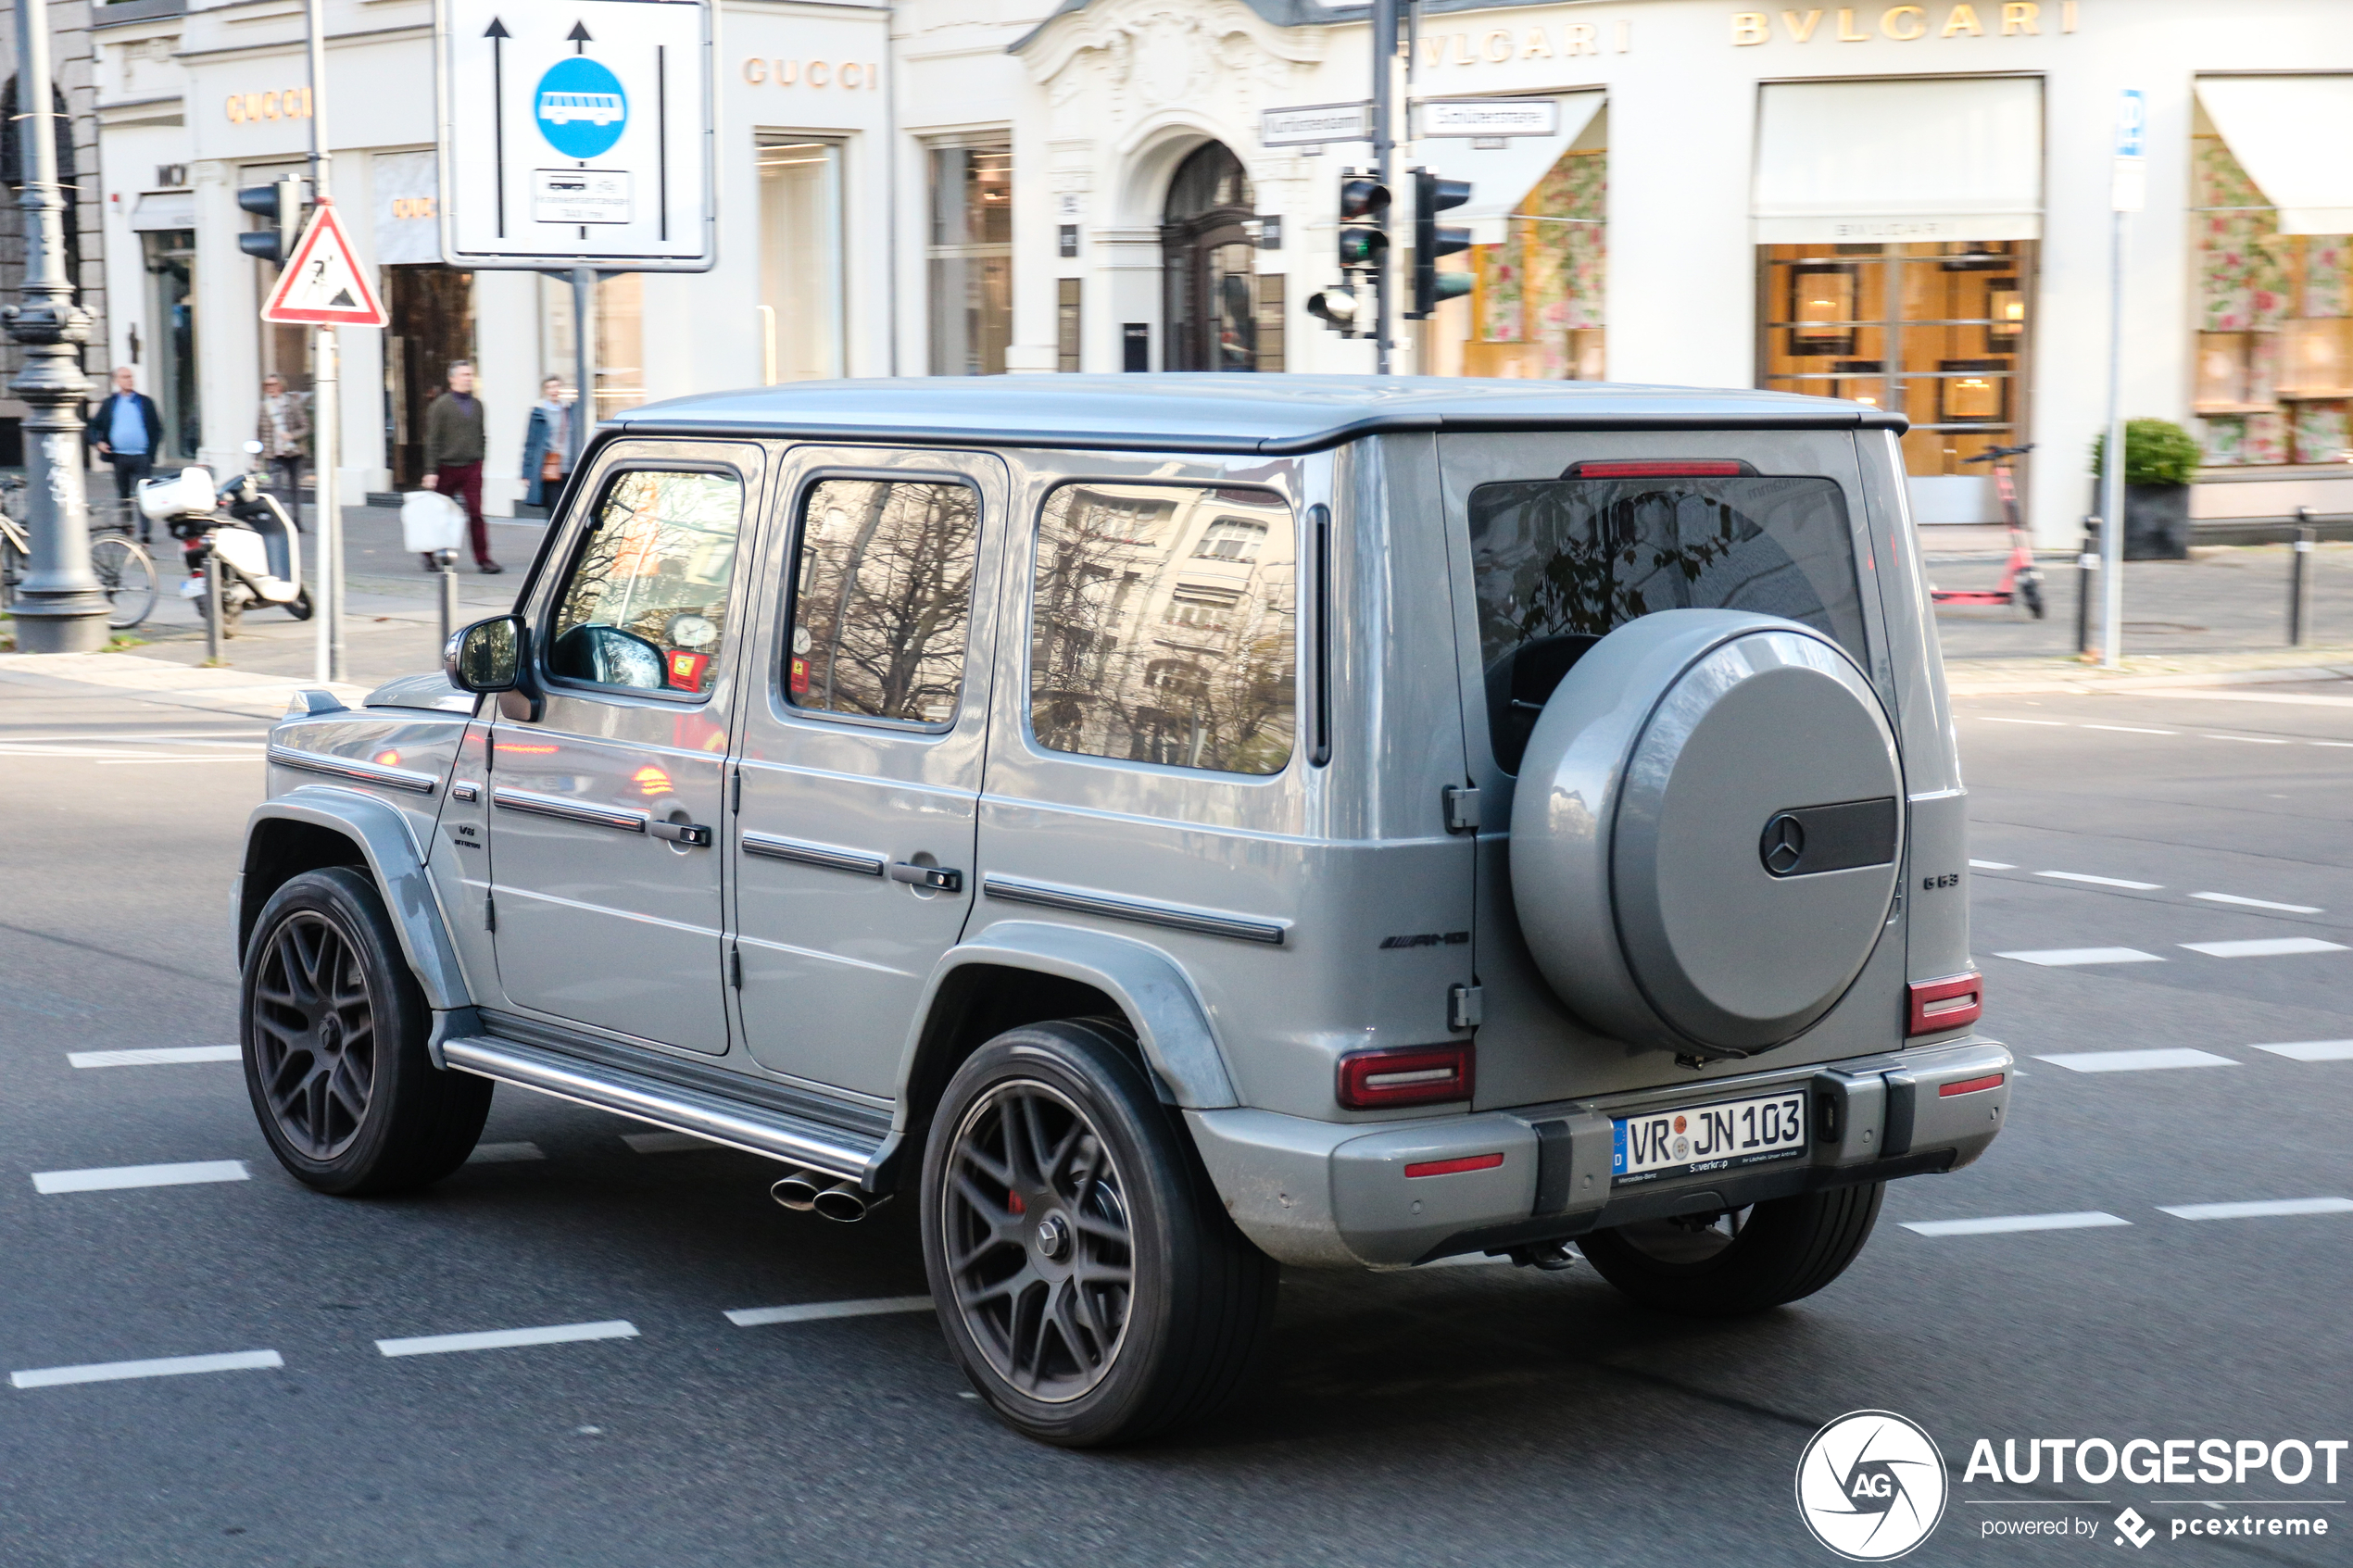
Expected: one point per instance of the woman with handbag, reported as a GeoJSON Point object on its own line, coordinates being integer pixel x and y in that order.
{"type": "Point", "coordinates": [547, 444]}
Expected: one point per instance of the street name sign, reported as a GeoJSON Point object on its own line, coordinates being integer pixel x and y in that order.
{"type": "Point", "coordinates": [576, 133]}
{"type": "Point", "coordinates": [1313, 124]}
{"type": "Point", "coordinates": [1488, 117]}
{"type": "Point", "coordinates": [320, 287]}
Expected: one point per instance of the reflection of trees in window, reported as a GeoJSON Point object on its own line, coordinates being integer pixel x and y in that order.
{"type": "Point", "coordinates": [657, 561]}
{"type": "Point", "coordinates": [883, 600]}
{"type": "Point", "coordinates": [1141, 652]}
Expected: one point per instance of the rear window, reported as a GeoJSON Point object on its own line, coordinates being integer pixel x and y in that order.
{"type": "Point", "coordinates": [1560, 563]}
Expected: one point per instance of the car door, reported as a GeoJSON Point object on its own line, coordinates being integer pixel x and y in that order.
{"type": "Point", "coordinates": [606, 808]}
{"type": "Point", "coordinates": [859, 760]}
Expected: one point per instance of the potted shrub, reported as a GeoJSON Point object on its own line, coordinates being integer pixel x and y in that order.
{"type": "Point", "coordinates": [2160, 459]}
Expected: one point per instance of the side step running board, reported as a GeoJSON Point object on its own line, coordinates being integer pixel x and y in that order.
{"type": "Point", "coordinates": [753, 1128]}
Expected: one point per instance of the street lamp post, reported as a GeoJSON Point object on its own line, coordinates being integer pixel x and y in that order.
{"type": "Point", "coordinates": [59, 607]}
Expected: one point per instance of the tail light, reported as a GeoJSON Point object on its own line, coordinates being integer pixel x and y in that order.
{"type": "Point", "coordinates": [1653, 468]}
{"type": "Point", "coordinates": [1963, 1087]}
{"type": "Point", "coordinates": [1406, 1075]}
{"type": "Point", "coordinates": [1454, 1167]}
{"type": "Point", "coordinates": [1939, 1005]}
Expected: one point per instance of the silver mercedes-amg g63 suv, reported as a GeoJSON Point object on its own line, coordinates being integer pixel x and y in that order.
{"type": "Point", "coordinates": [1169, 827]}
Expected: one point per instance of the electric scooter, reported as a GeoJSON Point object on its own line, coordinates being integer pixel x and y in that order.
{"type": "Point", "coordinates": [256, 546]}
{"type": "Point", "coordinates": [2021, 579]}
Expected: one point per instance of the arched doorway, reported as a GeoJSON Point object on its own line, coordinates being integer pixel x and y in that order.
{"type": "Point", "coordinates": [1222, 314]}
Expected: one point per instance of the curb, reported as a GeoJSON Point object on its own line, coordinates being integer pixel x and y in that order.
{"type": "Point", "coordinates": [181, 686]}
{"type": "Point", "coordinates": [2058, 677]}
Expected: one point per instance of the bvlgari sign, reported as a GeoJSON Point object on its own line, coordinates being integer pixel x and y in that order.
{"type": "Point", "coordinates": [1905, 24]}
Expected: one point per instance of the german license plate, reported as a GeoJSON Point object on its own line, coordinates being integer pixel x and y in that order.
{"type": "Point", "coordinates": [1691, 1139]}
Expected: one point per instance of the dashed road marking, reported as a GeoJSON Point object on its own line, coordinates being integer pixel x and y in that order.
{"type": "Point", "coordinates": [2139, 730]}
{"type": "Point", "coordinates": [504, 1153]}
{"type": "Point", "coordinates": [167, 1366]}
{"type": "Point", "coordinates": [2312, 1051]}
{"type": "Point", "coordinates": [2263, 1209]}
{"type": "Point", "coordinates": [2050, 723]}
{"type": "Point", "coordinates": [106, 1179]}
{"type": "Point", "coordinates": [1991, 866]}
{"type": "Point", "coordinates": [153, 1055]}
{"type": "Point", "coordinates": [2052, 958]}
{"type": "Point", "coordinates": [2156, 1061]}
{"type": "Point", "coordinates": [2250, 740]}
{"type": "Point", "coordinates": [2264, 948]}
{"type": "Point", "coordinates": [2087, 1220]}
{"type": "Point", "coordinates": [2130, 730]}
{"type": "Point", "coordinates": [2103, 880]}
{"type": "Point", "coordinates": [507, 1338]}
{"type": "Point", "coordinates": [814, 1311]}
{"type": "Point", "coordinates": [667, 1143]}
{"type": "Point", "coordinates": [2259, 903]}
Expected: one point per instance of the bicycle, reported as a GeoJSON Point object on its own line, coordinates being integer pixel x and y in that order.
{"type": "Point", "coordinates": [2021, 581]}
{"type": "Point", "coordinates": [126, 573]}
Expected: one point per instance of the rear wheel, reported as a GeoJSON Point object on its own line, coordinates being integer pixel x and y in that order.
{"type": "Point", "coordinates": [299, 606]}
{"type": "Point", "coordinates": [334, 1028]}
{"type": "Point", "coordinates": [2030, 591]}
{"type": "Point", "coordinates": [127, 576]}
{"type": "Point", "coordinates": [1089, 1280]}
{"type": "Point", "coordinates": [1726, 1264]}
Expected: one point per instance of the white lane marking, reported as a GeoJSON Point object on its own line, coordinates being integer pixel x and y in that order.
{"type": "Point", "coordinates": [2329, 743]}
{"type": "Point", "coordinates": [1991, 866]}
{"type": "Point", "coordinates": [152, 1055]}
{"type": "Point", "coordinates": [2131, 730]}
{"type": "Point", "coordinates": [107, 1178]}
{"type": "Point", "coordinates": [667, 1143]}
{"type": "Point", "coordinates": [504, 1153]}
{"type": "Point", "coordinates": [2085, 1221]}
{"type": "Point", "coordinates": [220, 737]}
{"type": "Point", "coordinates": [2260, 1210]}
{"type": "Point", "coordinates": [159, 761]}
{"type": "Point", "coordinates": [2264, 948]}
{"type": "Point", "coordinates": [2135, 1061]}
{"type": "Point", "coordinates": [756, 1317]}
{"type": "Point", "coordinates": [2295, 699]}
{"type": "Point", "coordinates": [2259, 903]}
{"type": "Point", "coordinates": [2051, 723]}
{"type": "Point", "coordinates": [167, 1366]}
{"type": "Point", "coordinates": [2103, 880]}
{"type": "Point", "coordinates": [2251, 740]}
{"type": "Point", "coordinates": [506, 1338]}
{"type": "Point", "coordinates": [2312, 1051]}
{"type": "Point", "coordinates": [2053, 957]}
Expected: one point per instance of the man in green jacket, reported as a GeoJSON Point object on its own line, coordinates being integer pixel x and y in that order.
{"type": "Point", "coordinates": [453, 458]}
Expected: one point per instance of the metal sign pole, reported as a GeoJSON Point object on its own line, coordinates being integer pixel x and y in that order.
{"type": "Point", "coordinates": [2128, 193]}
{"type": "Point", "coordinates": [326, 383]}
{"type": "Point", "coordinates": [1385, 166]}
{"type": "Point", "coordinates": [583, 345]}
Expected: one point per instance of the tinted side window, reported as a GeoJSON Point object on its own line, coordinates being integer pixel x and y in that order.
{"type": "Point", "coordinates": [882, 599]}
{"type": "Point", "coordinates": [645, 606]}
{"type": "Point", "coordinates": [1163, 627]}
{"type": "Point", "coordinates": [1562, 562]}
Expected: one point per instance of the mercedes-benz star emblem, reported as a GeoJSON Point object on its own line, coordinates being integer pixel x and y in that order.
{"type": "Point", "coordinates": [1782, 847]}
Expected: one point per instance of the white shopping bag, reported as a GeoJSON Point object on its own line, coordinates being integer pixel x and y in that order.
{"type": "Point", "coordinates": [430, 520]}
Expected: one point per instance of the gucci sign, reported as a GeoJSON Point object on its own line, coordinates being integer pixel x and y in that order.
{"type": "Point", "coordinates": [292, 104]}
{"type": "Point", "coordinates": [850, 74]}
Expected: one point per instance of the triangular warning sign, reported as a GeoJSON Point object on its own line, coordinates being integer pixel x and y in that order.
{"type": "Point", "coordinates": [321, 285]}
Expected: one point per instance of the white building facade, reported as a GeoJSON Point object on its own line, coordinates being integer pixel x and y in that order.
{"type": "Point", "coordinates": [1906, 205]}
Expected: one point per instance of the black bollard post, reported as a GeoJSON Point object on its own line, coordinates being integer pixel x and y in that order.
{"type": "Point", "coordinates": [2299, 579]}
{"type": "Point", "coordinates": [212, 605]}
{"type": "Point", "coordinates": [2087, 567]}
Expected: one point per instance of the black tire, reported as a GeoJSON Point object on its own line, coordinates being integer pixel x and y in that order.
{"type": "Point", "coordinates": [1145, 1309]}
{"type": "Point", "coordinates": [2030, 591]}
{"type": "Point", "coordinates": [1727, 1265]}
{"type": "Point", "coordinates": [334, 1026]}
{"type": "Point", "coordinates": [299, 606]}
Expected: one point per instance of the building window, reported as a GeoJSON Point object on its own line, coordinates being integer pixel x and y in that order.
{"type": "Point", "coordinates": [170, 255]}
{"type": "Point", "coordinates": [621, 343]}
{"type": "Point", "coordinates": [971, 255]}
{"type": "Point", "coordinates": [1066, 323]}
{"type": "Point", "coordinates": [1936, 332]}
{"type": "Point", "coordinates": [800, 270]}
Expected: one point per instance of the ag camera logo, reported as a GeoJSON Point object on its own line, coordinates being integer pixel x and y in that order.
{"type": "Point", "coordinates": [1871, 1485]}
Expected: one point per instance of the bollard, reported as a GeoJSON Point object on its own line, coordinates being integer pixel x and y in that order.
{"type": "Point", "coordinates": [2087, 565]}
{"type": "Point", "coordinates": [448, 594]}
{"type": "Point", "coordinates": [2299, 579]}
{"type": "Point", "coordinates": [212, 605]}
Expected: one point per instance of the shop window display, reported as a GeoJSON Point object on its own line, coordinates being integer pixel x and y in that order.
{"type": "Point", "coordinates": [1535, 309]}
{"type": "Point", "coordinates": [2275, 357]}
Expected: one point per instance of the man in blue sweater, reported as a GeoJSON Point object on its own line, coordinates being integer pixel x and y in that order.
{"type": "Point", "coordinates": [127, 431]}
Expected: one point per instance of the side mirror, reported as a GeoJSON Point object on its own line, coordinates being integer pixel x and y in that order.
{"type": "Point", "coordinates": [486, 656]}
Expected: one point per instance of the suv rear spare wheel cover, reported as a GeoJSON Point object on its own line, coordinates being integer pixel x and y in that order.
{"type": "Point", "coordinates": [1708, 831]}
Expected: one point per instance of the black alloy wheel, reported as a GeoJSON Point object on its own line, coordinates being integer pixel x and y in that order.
{"type": "Point", "coordinates": [1038, 1241]}
{"type": "Point", "coordinates": [314, 1029]}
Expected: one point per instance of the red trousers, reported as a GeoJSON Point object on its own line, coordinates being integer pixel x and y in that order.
{"type": "Point", "coordinates": [462, 484]}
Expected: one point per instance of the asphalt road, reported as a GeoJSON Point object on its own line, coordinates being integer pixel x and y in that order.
{"type": "Point", "coordinates": [1462, 1414]}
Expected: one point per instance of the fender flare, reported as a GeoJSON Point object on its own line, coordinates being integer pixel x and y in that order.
{"type": "Point", "coordinates": [385, 841]}
{"type": "Point", "coordinates": [1171, 1024]}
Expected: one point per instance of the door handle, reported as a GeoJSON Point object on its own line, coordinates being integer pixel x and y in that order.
{"type": "Point", "coordinates": [693, 834]}
{"type": "Point", "coordinates": [938, 878]}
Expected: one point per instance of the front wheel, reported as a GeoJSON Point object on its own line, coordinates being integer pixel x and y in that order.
{"type": "Point", "coordinates": [1725, 1265]}
{"type": "Point", "coordinates": [2030, 591]}
{"type": "Point", "coordinates": [126, 575]}
{"type": "Point", "coordinates": [1088, 1278]}
{"type": "Point", "coordinates": [299, 606]}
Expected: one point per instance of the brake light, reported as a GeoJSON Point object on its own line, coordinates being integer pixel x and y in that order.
{"type": "Point", "coordinates": [1939, 1005]}
{"type": "Point", "coordinates": [1406, 1075]}
{"type": "Point", "coordinates": [1453, 1167]}
{"type": "Point", "coordinates": [1652, 468]}
{"type": "Point", "coordinates": [1965, 1086]}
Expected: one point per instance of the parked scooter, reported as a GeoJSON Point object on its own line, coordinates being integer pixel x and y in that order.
{"type": "Point", "coordinates": [256, 546]}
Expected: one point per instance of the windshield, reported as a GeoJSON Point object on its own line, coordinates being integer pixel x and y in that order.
{"type": "Point", "coordinates": [1562, 562]}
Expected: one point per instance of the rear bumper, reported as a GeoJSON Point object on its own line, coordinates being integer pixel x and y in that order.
{"type": "Point", "coordinates": [1340, 1195]}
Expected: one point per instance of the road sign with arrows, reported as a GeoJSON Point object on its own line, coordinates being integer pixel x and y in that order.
{"type": "Point", "coordinates": [576, 132]}
{"type": "Point", "coordinates": [320, 286]}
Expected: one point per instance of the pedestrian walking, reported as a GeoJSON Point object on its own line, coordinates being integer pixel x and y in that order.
{"type": "Point", "coordinates": [547, 444]}
{"type": "Point", "coordinates": [283, 429]}
{"type": "Point", "coordinates": [126, 430]}
{"type": "Point", "coordinates": [453, 458]}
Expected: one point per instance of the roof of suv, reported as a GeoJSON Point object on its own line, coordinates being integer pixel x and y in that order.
{"type": "Point", "coordinates": [1195, 412]}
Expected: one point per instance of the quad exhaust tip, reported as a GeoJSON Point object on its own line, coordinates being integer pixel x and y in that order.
{"type": "Point", "coordinates": [842, 1202]}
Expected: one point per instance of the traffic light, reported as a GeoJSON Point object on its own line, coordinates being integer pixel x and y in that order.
{"type": "Point", "coordinates": [1432, 196]}
{"type": "Point", "coordinates": [1363, 203]}
{"type": "Point", "coordinates": [1337, 307]}
{"type": "Point", "coordinates": [282, 203]}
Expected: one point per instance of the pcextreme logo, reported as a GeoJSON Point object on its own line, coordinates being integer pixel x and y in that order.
{"type": "Point", "coordinates": [1871, 1485]}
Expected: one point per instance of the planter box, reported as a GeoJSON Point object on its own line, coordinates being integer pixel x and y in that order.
{"type": "Point", "coordinates": [2157, 522]}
